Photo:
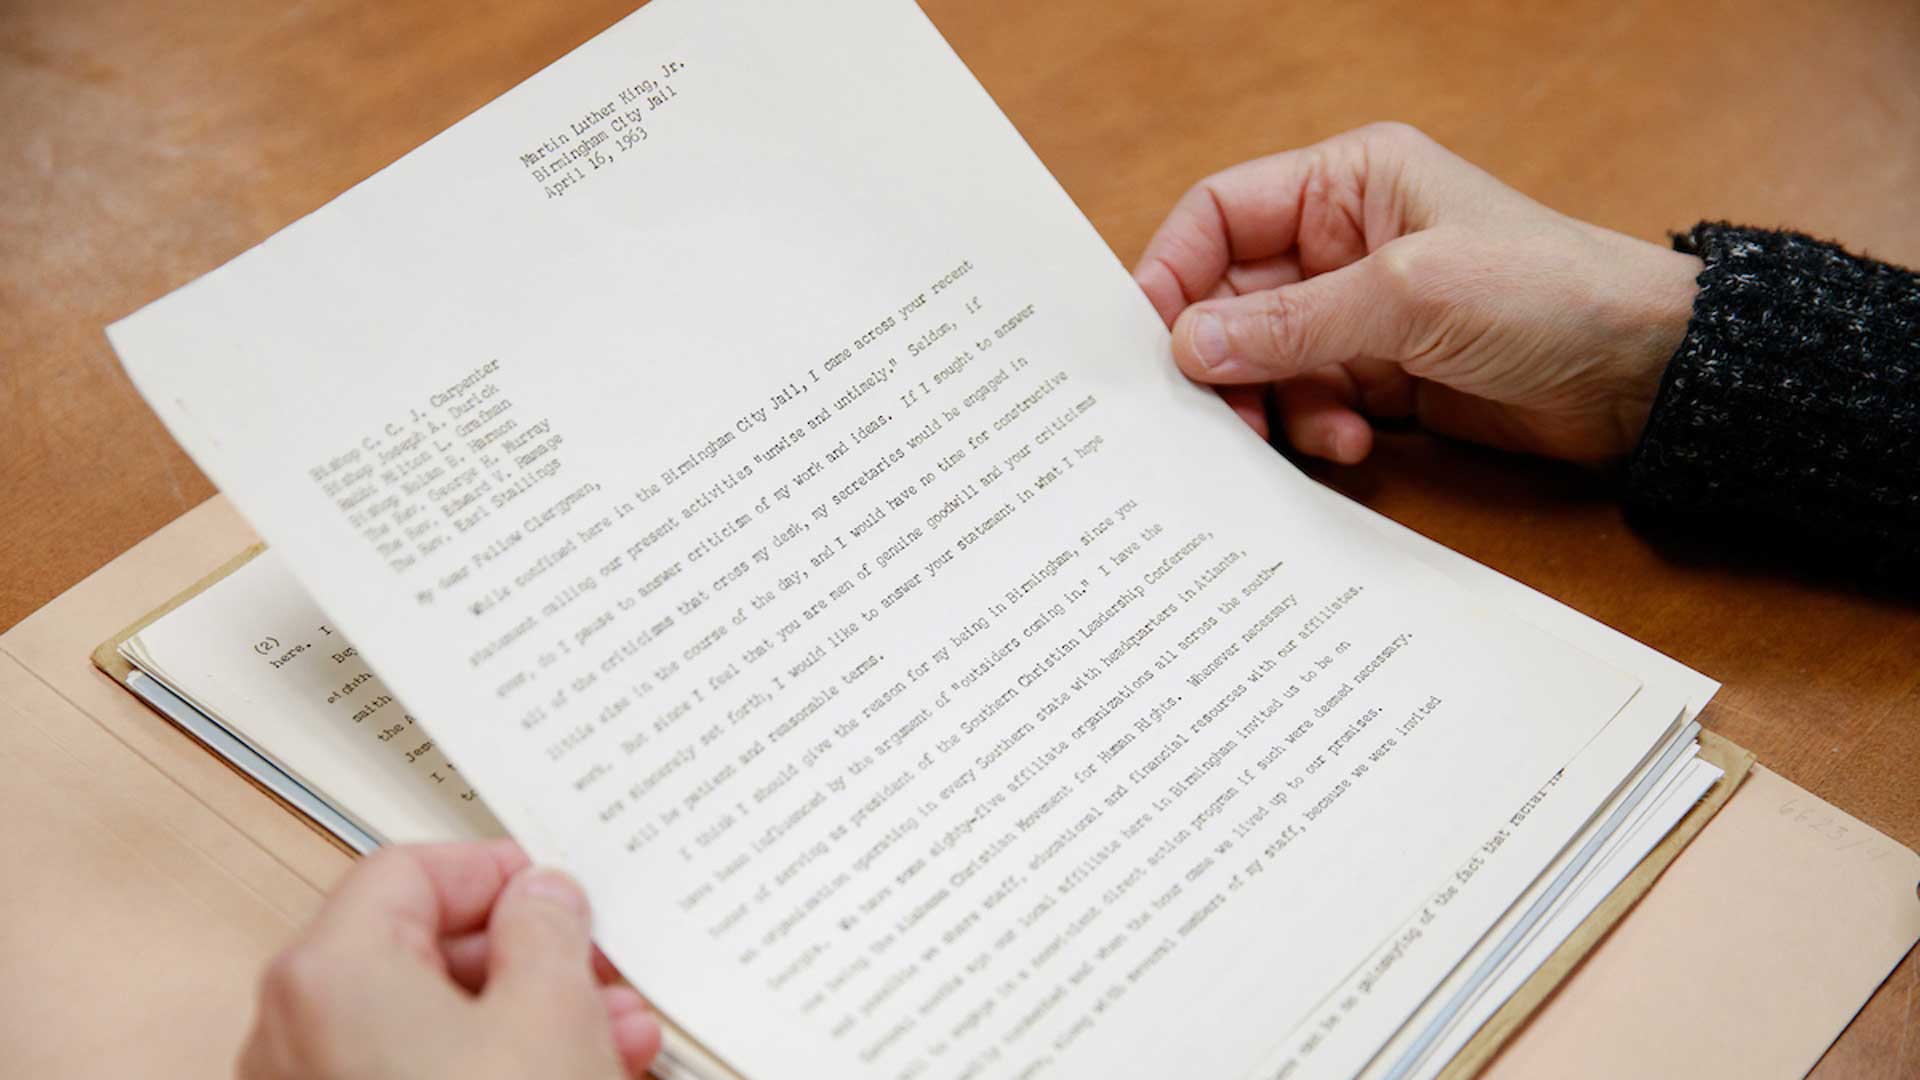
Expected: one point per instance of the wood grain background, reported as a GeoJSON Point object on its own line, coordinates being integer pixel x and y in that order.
{"type": "Point", "coordinates": [145, 143]}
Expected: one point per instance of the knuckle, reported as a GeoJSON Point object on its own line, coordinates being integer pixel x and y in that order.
{"type": "Point", "coordinates": [1417, 273]}
{"type": "Point", "coordinates": [298, 981]}
{"type": "Point", "coordinates": [1404, 277]}
{"type": "Point", "coordinates": [1399, 272]}
{"type": "Point", "coordinates": [1198, 202]}
{"type": "Point", "coordinates": [295, 1016]}
{"type": "Point", "coordinates": [1427, 283]}
{"type": "Point", "coordinates": [1399, 133]}
{"type": "Point", "coordinates": [1281, 326]}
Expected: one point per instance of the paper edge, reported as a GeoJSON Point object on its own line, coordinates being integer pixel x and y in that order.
{"type": "Point", "coordinates": [1735, 763]}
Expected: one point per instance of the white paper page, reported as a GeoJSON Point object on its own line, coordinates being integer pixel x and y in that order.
{"type": "Point", "coordinates": [1458, 936]}
{"type": "Point", "coordinates": [1660, 674]}
{"type": "Point", "coordinates": [209, 646]}
{"type": "Point", "coordinates": [1463, 914]}
{"type": "Point", "coordinates": [777, 500]}
{"type": "Point", "coordinates": [253, 651]}
{"type": "Point", "coordinates": [1458, 906]}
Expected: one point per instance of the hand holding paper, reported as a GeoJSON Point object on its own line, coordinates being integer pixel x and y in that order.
{"type": "Point", "coordinates": [449, 960]}
{"type": "Point", "coordinates": [1376, 274]}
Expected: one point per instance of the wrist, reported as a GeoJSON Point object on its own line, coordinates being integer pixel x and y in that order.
{"type": "Point", "coordinates": [1659, 295]}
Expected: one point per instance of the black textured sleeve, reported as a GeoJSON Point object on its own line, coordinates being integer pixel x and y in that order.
{"type": "Point", "coordinates": [1794, 399]}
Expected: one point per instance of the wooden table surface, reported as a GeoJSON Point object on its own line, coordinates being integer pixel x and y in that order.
{"type": "Point", "coordinates": [143, 144]}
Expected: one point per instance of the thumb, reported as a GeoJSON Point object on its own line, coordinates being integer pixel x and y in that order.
{"type": "Point", "coordinates": [540, 948]}
{"type": "Point", "coordinates": [1278, 333]}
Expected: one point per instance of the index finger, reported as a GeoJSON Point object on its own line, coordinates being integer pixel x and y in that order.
{"type": "Point", "coordinates": [1224, 218]}
{"type": "Point", "coordinates": [1312, 199]}
{"type": "Point", "coordinates": [436, 890]}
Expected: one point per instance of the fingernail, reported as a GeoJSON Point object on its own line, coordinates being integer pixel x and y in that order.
{"type": "Point", "coordinates": [556, 887]}
{"type": "Point", "coordinates": [1209, 339]}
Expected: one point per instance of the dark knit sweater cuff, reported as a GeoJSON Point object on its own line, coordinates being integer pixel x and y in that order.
{"type": "Point", "coordinates": [1794, 397]}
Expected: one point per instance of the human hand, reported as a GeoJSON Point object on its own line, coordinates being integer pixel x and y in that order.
{"type": "Point", "coordinates": [1378, 274]}
{"type": "Point", "coordinates": [448, 960]}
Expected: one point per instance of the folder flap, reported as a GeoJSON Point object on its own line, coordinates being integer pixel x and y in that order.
{"type": "Point", "coordinates": [1734, 763]}
{"type": "Point", "coordinates": [135, 911]}
{"type": "Point", "coordinates": [56, 644]}
{"type": "Point", "coordinates": [106, 655]}
{"type": "Point", "coordinates": [1763, 940]}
